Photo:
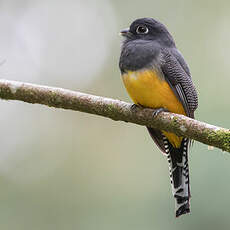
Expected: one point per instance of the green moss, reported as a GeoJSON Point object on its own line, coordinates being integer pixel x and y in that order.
{"type": "Point", "coordinates": [175, 121]}
{"type": "Point", "coordinates": [55, 99]}
{"type": "Point", "coordinates": [110, 108]}
{"type": "Point", "coordinates": [220, 137]}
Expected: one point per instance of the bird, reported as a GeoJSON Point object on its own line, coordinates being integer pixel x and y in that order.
{"type": "Point", "coordinates": [156, 76]}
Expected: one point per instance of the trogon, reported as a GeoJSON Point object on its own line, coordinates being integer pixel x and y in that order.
{"type": "Point", "coordinates": [156, 76]}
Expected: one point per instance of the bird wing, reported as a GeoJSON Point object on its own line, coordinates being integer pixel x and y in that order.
{"type": "Point", "coordinates": [177, 54]}
{"type": "Point", "coordinates": [178, 77]}
{"type": "Point", "coordinates": [177, 74]}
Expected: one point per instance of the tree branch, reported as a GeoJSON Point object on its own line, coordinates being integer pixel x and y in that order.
{"type": "Point", "coordinates": [116, 110]}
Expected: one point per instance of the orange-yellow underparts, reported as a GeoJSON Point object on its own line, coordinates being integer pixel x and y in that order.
{"type": "Point", "coordinates": [148, 89]}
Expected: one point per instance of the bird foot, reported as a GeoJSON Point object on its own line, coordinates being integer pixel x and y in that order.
{"type": "Point", "coordinates": [135, 106]}
{"type": "Point", "coordinates": [159, 110]}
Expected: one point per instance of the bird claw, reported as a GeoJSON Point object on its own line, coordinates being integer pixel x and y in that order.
{"type": "Point", "coordinates": [158, 111]}
{"type": "Point", "coordinates": [135, 106]}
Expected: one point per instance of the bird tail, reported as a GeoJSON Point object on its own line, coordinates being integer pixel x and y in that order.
{"type": "Point", "coordinates": [179, 174]}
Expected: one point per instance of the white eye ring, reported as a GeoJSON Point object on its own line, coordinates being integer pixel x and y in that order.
{"type": "Point", "coordinates": [142, 30]}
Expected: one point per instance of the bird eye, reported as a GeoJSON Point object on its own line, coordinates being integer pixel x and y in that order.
{"type": "Point", "coordinates": [142, 30]}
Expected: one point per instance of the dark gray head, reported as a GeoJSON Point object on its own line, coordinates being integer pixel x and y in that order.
{"type": "Point", "coordinates": [144, 40]}
{"type": "Point", "coordinates": [148, 29]}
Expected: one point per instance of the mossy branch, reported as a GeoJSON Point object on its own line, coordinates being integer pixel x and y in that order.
{"type": "Point", "coordinates": [116, 110]}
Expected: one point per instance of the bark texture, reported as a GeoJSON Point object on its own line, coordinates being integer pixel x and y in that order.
{"type": "Point", "coordinates": [116, 110]}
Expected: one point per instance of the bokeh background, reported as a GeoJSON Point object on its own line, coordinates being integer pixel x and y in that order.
{"type": "Point", "coordinates": [68, 170]}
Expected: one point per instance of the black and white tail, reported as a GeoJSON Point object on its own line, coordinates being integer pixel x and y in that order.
{"type": "Point", "coordinates": [179, 174]}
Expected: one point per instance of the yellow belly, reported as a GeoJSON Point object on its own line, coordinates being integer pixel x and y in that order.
{"type": "Point", "coordinates": [149, 90]}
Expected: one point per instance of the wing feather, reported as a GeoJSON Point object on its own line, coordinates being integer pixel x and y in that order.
{"type": "Point", "coordinates": [180, 81]}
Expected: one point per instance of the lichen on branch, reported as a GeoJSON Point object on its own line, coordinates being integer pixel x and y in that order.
{"type": "Point", "coordinates": [116, 110]}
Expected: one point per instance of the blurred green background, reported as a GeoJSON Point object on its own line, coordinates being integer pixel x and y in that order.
{"type": "Point", "coordinates": [68, 170]}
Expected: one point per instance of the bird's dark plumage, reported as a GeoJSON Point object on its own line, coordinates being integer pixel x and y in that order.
{"type": "Point", "coordinates": [180, 80]}
{"type": "Point", "coordinates": [155, 73]}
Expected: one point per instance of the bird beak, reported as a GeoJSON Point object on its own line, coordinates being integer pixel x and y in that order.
{"type": "Point", "coordinates": [125, 32]}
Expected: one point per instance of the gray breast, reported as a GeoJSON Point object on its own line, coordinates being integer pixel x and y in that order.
{"type": "Point", "coordinates": [138, 54]}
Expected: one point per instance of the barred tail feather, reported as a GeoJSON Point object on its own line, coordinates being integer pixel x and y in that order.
{"type": "Point", "coordinates": [179, 175]}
